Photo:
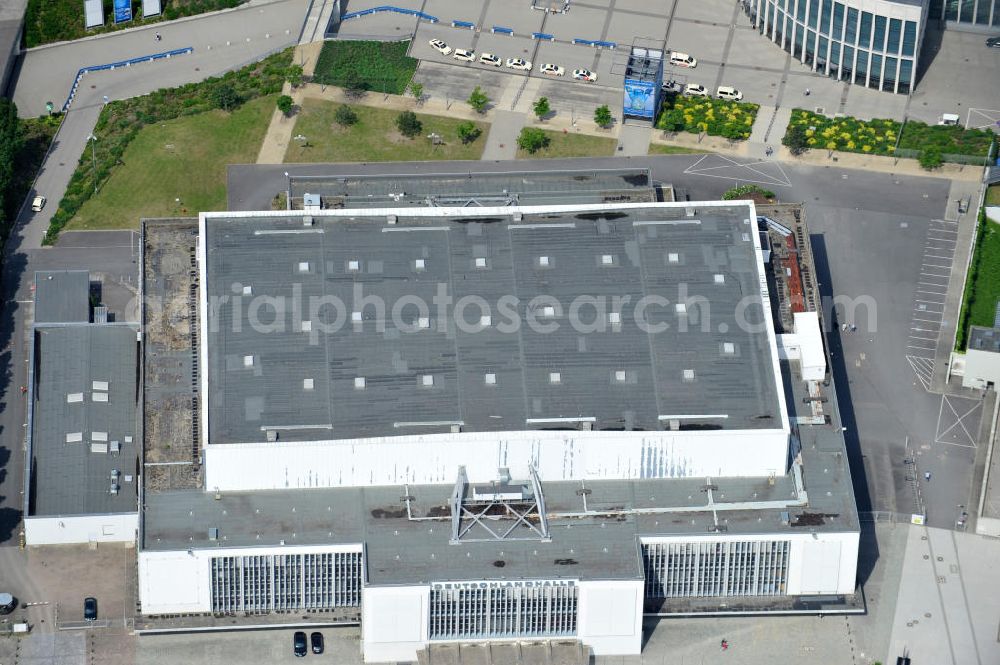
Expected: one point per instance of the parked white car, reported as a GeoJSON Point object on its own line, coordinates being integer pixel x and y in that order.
{"type": "Point", "coordinates": [584, 75]}
{"type": "Point", "coordinates": [464, 55]}
{"type": "Point", "coordinates": [678, 59]}
{"type": "Point", "coordinates": [490, 59]}
{"type": "Point", "coordinates": [519, 63]}
{"type": "Point", "coordinates": [552, 70]}
{"type": "Point", "coordinates": [38, 203]}
{"type": "Point", "coordinates": [726, 92]}
{"type": "Point", "coordinates": [696, 89]}
{"type": "Point", "coordinates": [440, 47]}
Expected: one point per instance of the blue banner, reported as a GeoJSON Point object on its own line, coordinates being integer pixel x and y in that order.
{"type": "Point", "coordinates": [123, 11]}
{"type": "Point", "coordinates": [640, 98]}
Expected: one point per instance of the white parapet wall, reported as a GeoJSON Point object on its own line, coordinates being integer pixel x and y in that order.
{"type": "Point", "coordinates": [79, 529]}
{"type": "Point", "coordinates": [394, 622]}
{"type": "Point", "coordinates": [557, 455]}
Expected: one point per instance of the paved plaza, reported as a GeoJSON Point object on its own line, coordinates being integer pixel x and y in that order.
{"type": "Point", "coordinates": [960, 75]}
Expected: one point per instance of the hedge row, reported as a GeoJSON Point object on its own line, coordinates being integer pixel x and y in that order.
{"type": "Point", "coordinates": [120, 122]}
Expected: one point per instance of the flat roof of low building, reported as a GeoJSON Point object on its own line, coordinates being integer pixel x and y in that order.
{"type": "Point", "coordinates": [331, 325]}
{"type": "Point", "coordinates": [84, 396]}
{"type": "Point", "coordinates": [475, 189]}
{"type": "Point", "coordinates": [62, 296]}
{"type": "Point", "coordinates": [982, 338]}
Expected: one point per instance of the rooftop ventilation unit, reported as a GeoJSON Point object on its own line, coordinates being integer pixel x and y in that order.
{"type": "Point", "coordinates": [311, 202]}
{"type": "Point", "coordinates": [213, 533]}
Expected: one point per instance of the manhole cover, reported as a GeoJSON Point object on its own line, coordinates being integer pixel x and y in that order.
{"type": "Point", "coordinates": [927, 615]}
{"type": "Point", "coordinates": [940, 558]}
{"type": "Point", "coordinates": [926, 556]}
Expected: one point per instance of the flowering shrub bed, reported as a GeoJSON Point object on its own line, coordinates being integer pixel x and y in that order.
{"type": "Point", "coordinates": [715, 117]}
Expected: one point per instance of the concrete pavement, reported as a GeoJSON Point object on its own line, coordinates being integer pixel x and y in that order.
{"type": "Point", "coordinates": [221, 41]}
{"type": "Point", "coordinates": [501, 142]}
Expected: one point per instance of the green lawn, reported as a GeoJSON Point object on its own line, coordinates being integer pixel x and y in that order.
{"type": "Point", "coordinates": [184, 158]}
{"type": "Point", "coordinates": [660, 149]}
{"type": "Point", "coordinates": [377, 66]}
{"type": "Point", "coordinates": [982, 288]}
{"type": "Point", "coordinates": [566, 144]}
{"type": "Point", "coordinates": [375, 138]}
{"type": "Point", "coordinates": [993, 195]}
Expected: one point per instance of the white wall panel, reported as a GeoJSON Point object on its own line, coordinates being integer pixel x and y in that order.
{"type": "Point", "coordinates": [435, 458]}
{"type": "Point", "coordinates": [394, 623]}
{"type": "Point", "coordinates": [610, 617]}
{"type": "Point", "coordinates": [73, 529]}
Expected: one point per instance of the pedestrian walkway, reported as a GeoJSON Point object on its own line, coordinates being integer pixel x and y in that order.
{"type": "Point", "coordinates": [947, 609]}
{"type": "Point", "coordinates": [633, 140]}
{"type": "Point", "coordinates": [501, 142]}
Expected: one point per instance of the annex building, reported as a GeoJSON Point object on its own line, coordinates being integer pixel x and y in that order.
{"type": "Point", "coordinates": [488, 423]}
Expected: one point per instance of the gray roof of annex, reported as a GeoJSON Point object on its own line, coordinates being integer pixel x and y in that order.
{"type": "Point", "coordinates": [62, 296]}
{"type": "Point", "coordinates": [325, 375]}
{"type": "Point", "coordinates": [85, 396]}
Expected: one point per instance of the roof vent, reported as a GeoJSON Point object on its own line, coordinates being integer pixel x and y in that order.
{"type": "Point", "coordinates": [272, 435]}
{"type": "Point", "coordinates": [213, 533]}
{"type": "Point", "coordinates": [307, 220]}
{"type": "Point", "coordinates": [518, 216]}
{"type": "Point", "coordinates": [391, 219]}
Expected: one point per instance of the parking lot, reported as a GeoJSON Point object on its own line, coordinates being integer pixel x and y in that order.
{"type": "Point", "coordinates": [960, 77]}
{"type": "Point", "coordinates": [342, 646]}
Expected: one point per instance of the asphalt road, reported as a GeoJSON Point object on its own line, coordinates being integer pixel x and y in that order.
{"type": "Point", "coordinates": [869, 231]}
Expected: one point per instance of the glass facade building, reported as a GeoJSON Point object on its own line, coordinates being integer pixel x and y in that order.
{"type": "Point", "coordinates": [981, 13]}
{"type": "Point", "coordinates": [874, 43]}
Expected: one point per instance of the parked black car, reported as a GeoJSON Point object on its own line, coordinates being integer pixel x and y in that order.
{"type": "Point", "coordinates": [993, 42]}
{"type": "Point", "coordinates": [90, 609]}
{"type": "Point", "coordinates": [8, 603]}
{"type": "Point", "coordinates": [299, 643]}
{"type": "Point", "coordinates": [316, 639]}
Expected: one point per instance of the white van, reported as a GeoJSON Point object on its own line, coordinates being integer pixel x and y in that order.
{"type": "Point", "coordinates": [726, 92]}
{"type": "Point", "coordinates": [949, 119]}
{"type": "Point", "coordinates": [678, 59]}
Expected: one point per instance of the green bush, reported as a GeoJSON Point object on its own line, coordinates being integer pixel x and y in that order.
{"type": "Point", "coordinates": [947, 139]}
{"type": "Point", "coordinates": [225, 97]}
{"type": "Point", "coordinates": [874, 137]}
{"type": "Point", "coordinates": [121, 120]}
{"type": "Point", "coordinates": [285, 104]}
{"type": "Point", "coordinates": [602, 116]}
{"type": "Point", "coordinates": [930, 158]}
{"type": "Point", "coordinates": [47, 21]}
{"type": "Point", "coordinates": [715, 117]}
{"type": "Point", "coordinates": [542, 108]}
{"type": "Point", "coordinates": [982, 283]}
{"type": "Point", "coordinates": [360, 66]}
{"type": "Point", "coordinates": [345, 116]}
{"type": "Point", "coordinates": [744, 192]}
{"type": "Point", "coordinates": [478, 100]}
{"type": "Point", "coordinates": [468, 131]}
{"type": "Point", "coordinates": [408, 124]}
{"type": "Point", "coordinates": [532, 139]}
{"type": "Point", "coordinates": [796, 140]}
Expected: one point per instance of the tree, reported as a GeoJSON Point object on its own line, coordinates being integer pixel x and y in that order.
{"type": "Point", "coordinates": [930, 158]}
{"type": "Point", "coordinates": [478, 100]}
{"type": "Point", "coordinates": [9, 143]}
{"type": "Point", "coordinates": [796, 140]}
{"type": "Point", "coordinates": [532, 139]}
{"type": "Point", "coordinates": [542, 108]}
{"type": "Point", "coordinates": [417, 90]}
{"type": "Point", "coordinates": [225, 97]}
{"type": "Point", "coordinates": [468, 132]}
{"type": "Point", "coordinates": [408, 123]}
{"type": "Point", "coordinates": [602, 116]}
{"type": "Point", "coordinates": [345, 116]}
{"type": "Point", "coordinates": [285, 104]}
{"type": "Point", "coordinates": [294, 75]}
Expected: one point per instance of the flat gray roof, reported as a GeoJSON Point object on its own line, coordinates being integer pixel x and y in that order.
{"type": "Point", "coordinates": [62, 296]}
{"type": "Point", "coordinates": [257, 373]}
{"type": "Point", "coordinates": [428, 189]}
{"type": "Point", "coordinates": [84, 394]}
{"type": "Point", "coordinates": [982, 338]}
